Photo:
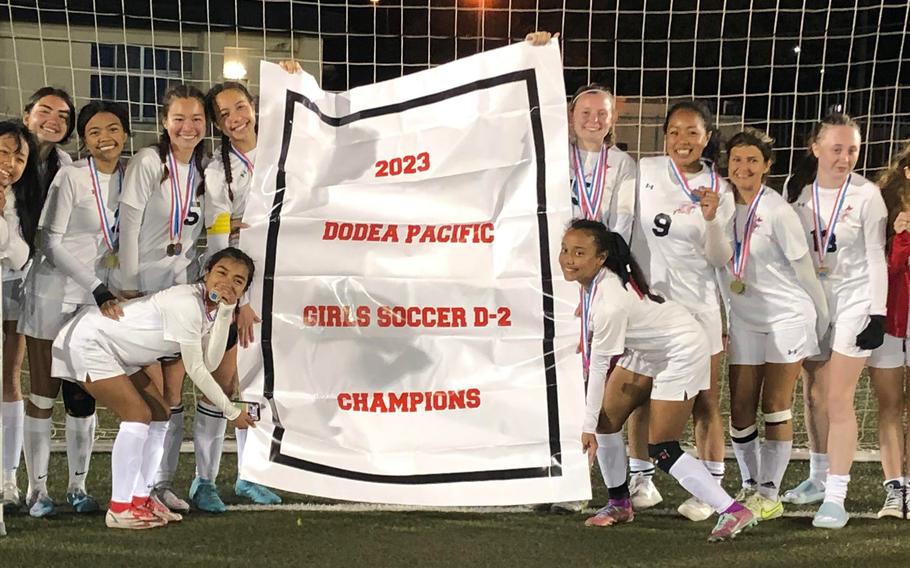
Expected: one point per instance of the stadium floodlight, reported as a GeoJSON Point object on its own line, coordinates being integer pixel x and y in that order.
{"type": "Point", "coordinates": [797, 49]}
{"type": "Point", "coordinates": [234, 70]}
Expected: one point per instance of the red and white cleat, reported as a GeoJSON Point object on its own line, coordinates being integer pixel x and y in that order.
{"type": "Point", "coordinates": [133, 518]}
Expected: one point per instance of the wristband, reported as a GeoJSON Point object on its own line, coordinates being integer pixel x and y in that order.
{"type": "Point", "coordinates": [102, 295]}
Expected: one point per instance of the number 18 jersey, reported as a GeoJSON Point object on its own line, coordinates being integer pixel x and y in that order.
{"type": "Point", "coordinates": [669, 238]}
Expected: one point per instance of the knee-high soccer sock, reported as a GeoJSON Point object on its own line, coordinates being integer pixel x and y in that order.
{"type": "Point", "coordinates": [836, 488]}
{"type": "Point", "coordinates": [641, 467]}
{"type": "Point", "coordinates": [13, 417]}
{"type": "Point", "coordinates": [697, 480]}
{"type": "Point", "coordinates": [745, 447]}
{"type": "Point", "coordinates": [241, 443]}
{"type": "Point", "coordinates": [151, 459]}
{"type": "Point", "coordinates": [818, 468]}
{"type": "Point", "coordinates": [80, 437]}
{"type": "Point", "coordinates": [37, 438]}
{"type": "Point", "coordinates": [126, 460]}
{"type": "Point", "coordinates": [171, 455]}
{"type": "Point", "coordinates": [208, 440]}
{"type": "Point", "coordinates": [775, 457]}
{"type": "Point", "coordinates": [716, 469]}
{"type": "Point", "coordinates": [611, 457]}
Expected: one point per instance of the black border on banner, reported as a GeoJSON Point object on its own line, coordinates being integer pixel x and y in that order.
{"type": "Point", "coordinates": [554, 468]}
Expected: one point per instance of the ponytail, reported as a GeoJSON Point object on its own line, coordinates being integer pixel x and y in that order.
{"type": "Point", "coordinates": [619, 257]}
{"type": "Point", "coordinates": [226, 162]}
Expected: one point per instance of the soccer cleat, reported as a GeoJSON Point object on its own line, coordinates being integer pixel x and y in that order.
{"type": "Point", "coordinates": [161, 511]}
{"type": "Point", "coordinates": [805, 493]}
{"type": "Point", "coordinates": [81, 502]}
{"type": "Point", "coordinates": [764, 509]}
{"type": "Point", "coordinates": [169, 499]}
{"type": "Point", "coordinates": [731, 524]}
{"type": "Point", "coordinates": [612, 514]}
{"type": "Point", "coordinates": [12, 501]}
{"type": "Point", "coordinates": [259, 494]}
{"type": "Point", "coordinates": [40, 506]}
{"type": "Point", "coordinates": [643, 492]}
{"type": "Point", "coordinates": [134, 518]}
{"type": "Point", "coordinates": [745, 493]}
{"type": "Point", "coordinates": [568, 507]}
{"type": "Point", "coordinates": [204, 496]}
{"type": "Point", "coordinates": [830, 516]}
{"type": "Point", "coordinates": [894, 501]}
{"type": "Point", "coordinates": [695, 510]}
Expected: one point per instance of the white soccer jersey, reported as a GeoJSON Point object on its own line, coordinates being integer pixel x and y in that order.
{"type": "Point", "coordinates": [72, 211]}
{"type": "Point", "coordinates": [150, 328]}
{"type": "Point", "coordinates": [14, 251]}
{"type": "Point", "coordinates": [144, 190]}
{"type": "Point", "coordinates": [618, 205]}
{"type": "Point", "coordinates": [773, 298]}
{"type": "Point", "coordinates": [621, 319]}
{"type": "Point", "coordinates": [217, 198]}
{"type": "Point", "coordinates": [857, 281]}
{"type": "Point", "coordinates": [669, 237]}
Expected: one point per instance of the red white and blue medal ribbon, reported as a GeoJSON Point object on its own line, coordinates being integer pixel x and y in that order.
{"type": "Point", "coordinates": [109, 231]}
{"type": "Point", "coordinates": [741, 247]}
{"type": "Point", "coordinates": [684, 184]}
{"type": "Point", "coordinates": [591, 198]}
{"type": "Point", "coordinates": [821, 243]}
{"type": "Point", "coordinates": [180, 201]}
{"type": "Point", "coordinates": [587, 298]}
{"type": "Point", "coordinates": [248, 163]}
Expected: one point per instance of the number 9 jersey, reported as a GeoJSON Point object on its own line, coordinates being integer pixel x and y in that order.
{"type": "Point", "coordinates": [669, 237]}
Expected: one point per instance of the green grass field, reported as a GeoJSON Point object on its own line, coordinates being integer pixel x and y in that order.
{"type": "Point", "coordinates": [308, 537]}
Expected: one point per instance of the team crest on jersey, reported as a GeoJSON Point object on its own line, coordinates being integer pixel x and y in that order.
{"type": "Point", "coordinates": [846, 212]}
{"type": "Point", "coordinates": [685, 208]}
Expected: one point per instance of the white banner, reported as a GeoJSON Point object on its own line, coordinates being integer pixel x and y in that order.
{"type": "Point", "coordinates": [418, 343]}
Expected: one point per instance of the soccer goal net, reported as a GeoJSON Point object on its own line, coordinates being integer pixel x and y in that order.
{"type": "Point", "coordinates": [777, 65]}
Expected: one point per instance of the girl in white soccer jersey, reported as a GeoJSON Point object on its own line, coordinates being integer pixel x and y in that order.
{"type": "Point", "coordinates": [622, 313]}
{"type": "Point", "coordinates": [73, 268]}
{"type": "Point", "coordinates": [104, 350]}
{"type": "Point", "coordinates": [50, 116]}
{"type": "Point", "coordinates": [673, 241]}
{"type": "Point", "coordinates": [19, 191]}
{"type": "Point", "coordinates": [160, 223]}
{"type": "Point", "coordinates": [843, 217]}
{"type": "Point", "coordinates": [773, 296]}
{"type": "Point", "coordinates": [887, 363]}
{"type": "Point", "coordinates": [228, 177]}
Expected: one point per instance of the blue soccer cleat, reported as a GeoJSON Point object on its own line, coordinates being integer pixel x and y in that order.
{"type": "Point", "coordinates": [204, 496]}
{"type": "Point", "coordinates": [830, 516]}
{"type": "Point", "coordinates": [256, 493]}
{"type": "Point", "coordinates": [81, 502]}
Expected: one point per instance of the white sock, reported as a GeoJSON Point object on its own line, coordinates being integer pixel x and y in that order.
{"type": "Point", "coordinates": [80, 437]}
{"type": "Point", "coordinates": [208, 440]}
{"type": "Point", "coordinates": [126, 459]}
{"type": "Point", "coordinates": [818, 468]}
{"type": "Point", "coordinates": [775, 457]}
{"type": "Point", "coordinates": [171, 454]}
{"type": "Point", "coordinates": [836, 488]}
{"type": "Point", "coordinates": [13, 417]}
{"type": "Point", "coordinates": [37, 445]}
{"type": "Point", "coordinates": [611, 457]}
{"type": "Point", "coordinates": [716, 469]}
{"type": "Point", "coordinates": [745, 447]}
{"type": "Point", "coordinates": [697, 480]}
{"type": "Point", "coordinates": [241, 443]}
{"type": "Point", "coordinates": [151, 458]}
{"type": "Point", "coordinates": [641, 467]}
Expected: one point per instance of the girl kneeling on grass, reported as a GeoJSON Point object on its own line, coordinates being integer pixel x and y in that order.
{"type": "Point", "coordinates": [624, 314]}
{"type": "Point", "coordinates": [105, 348]}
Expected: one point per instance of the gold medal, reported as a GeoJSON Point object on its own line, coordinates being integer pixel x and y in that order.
{"type": "Point", "coordinates": [111, 260]}
{"type": "Point", "coordinates": [822, 271]}
{"type": "Point", "coordinates": [738, 287]}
